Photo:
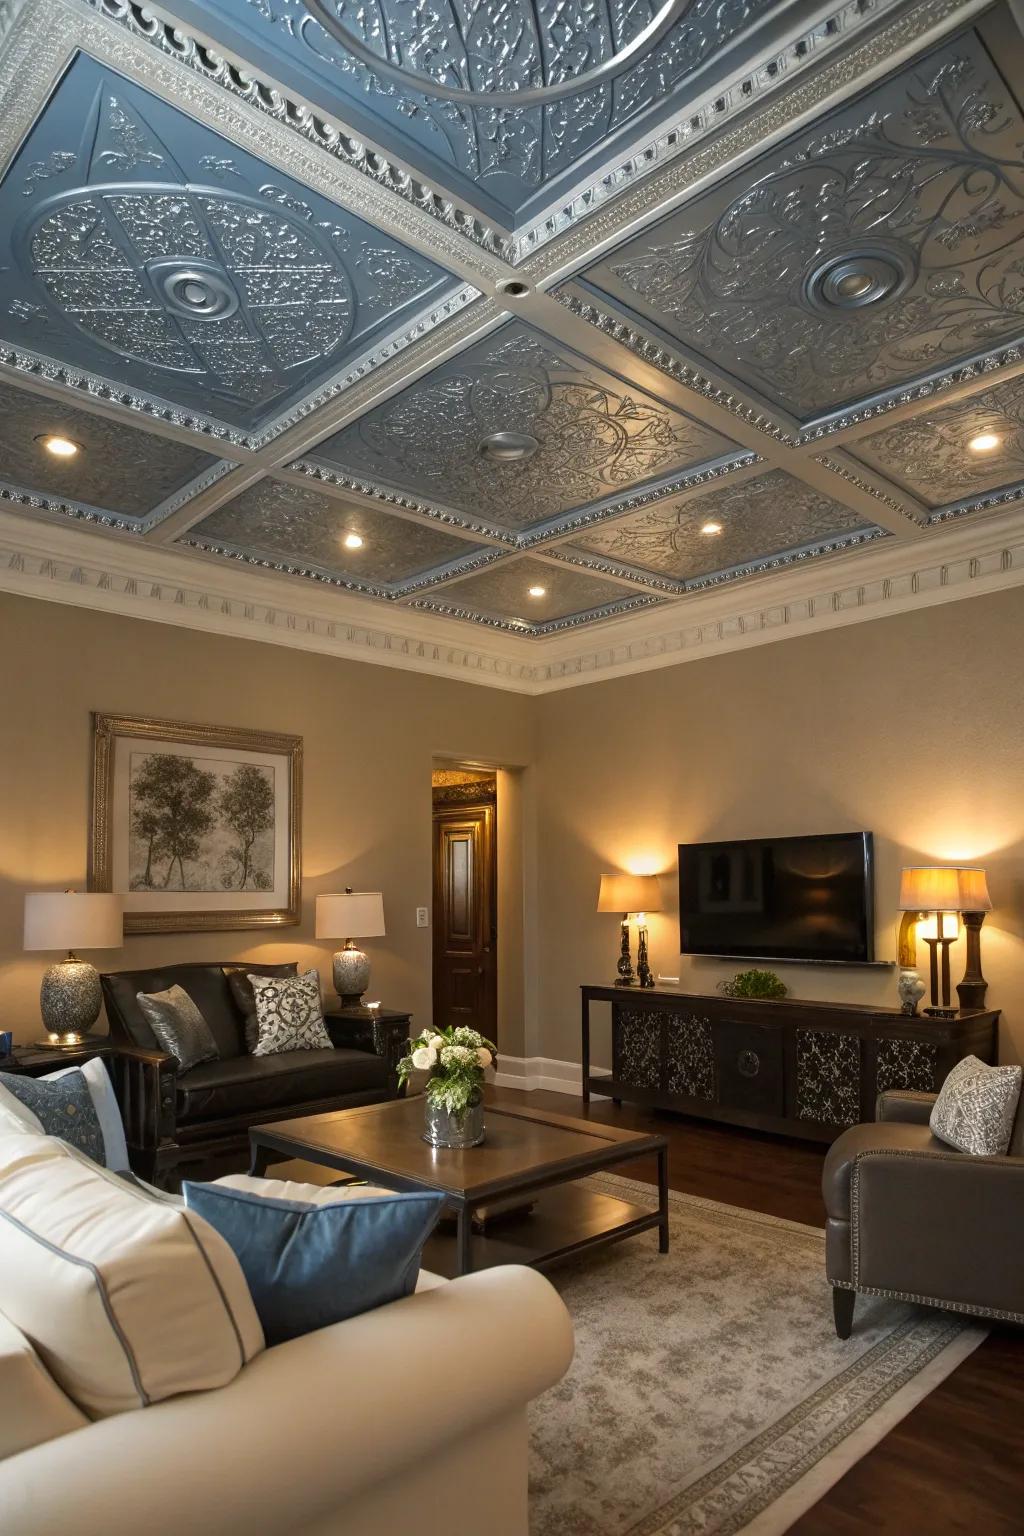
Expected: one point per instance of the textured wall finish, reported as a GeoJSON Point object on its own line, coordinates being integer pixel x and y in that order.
{"type": "Point", "coordinates": [923, 175]}
{"type": "Point", "coordinates": [758, 517]}
{"type": "Point", "coordinates": [150, 250]}
{"type": "Point", "coordinates": [595, 434]}
{"type": "Point", "coordinates": [303, 525]}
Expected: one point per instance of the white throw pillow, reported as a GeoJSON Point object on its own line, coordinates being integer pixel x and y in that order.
{"type": "Point", "coordinates": [975, 1108]}
{"type": "Point", "coordinates": [17, 1117]}
{"type": "Point", "coordinates": [302, 1194]}
{"type": "Point", "coordinates": [289, 1014]}
{"type": "Point", "coordinates": [126, 1298]}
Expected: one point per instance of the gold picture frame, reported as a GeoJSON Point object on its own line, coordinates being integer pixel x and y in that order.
{"type": "Point", "coordinates": [154, 901]}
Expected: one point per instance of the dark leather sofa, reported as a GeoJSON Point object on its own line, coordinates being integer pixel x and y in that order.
{"type": "Point", "coordinates": [172, 1119]}
{"type": "Point", "coordinates": [911, 1218]}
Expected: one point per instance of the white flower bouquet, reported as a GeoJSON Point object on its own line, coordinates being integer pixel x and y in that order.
{"type": "Point", "coordinates": [456, 1059]}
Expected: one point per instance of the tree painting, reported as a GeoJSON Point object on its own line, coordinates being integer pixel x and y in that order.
{"type": "Point", "coordinates": [200, 825]}
{"type": "Point", "coordinates": [246, 806]}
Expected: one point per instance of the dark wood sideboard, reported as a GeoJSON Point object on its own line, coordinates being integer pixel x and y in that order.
{"type": "Point", "coordinates": [793, 1067]}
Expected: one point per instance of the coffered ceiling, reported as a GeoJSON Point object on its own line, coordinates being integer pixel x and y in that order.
{"type": "Point", "coordinates": [507, 313]}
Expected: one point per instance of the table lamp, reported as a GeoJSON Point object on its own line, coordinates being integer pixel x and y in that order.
{"type": "Point", "coordinates": [974, 903]}
{"type": "Point", "coordinates": [70, 997]}
{"type": "Point", "coordinates": [931, 897]}
{"type": "Point", "coordinates": [631, 895]}
{"type": "Point", "coordinates": [353, 915]}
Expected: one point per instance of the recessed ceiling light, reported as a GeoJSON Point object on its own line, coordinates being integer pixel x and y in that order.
{"type": "Point", "coordinates": [60, 447]}
{"type": "Point", "coordinates": [514, 289]}
{"type": "Point", "coordinates": [509, 447]}
{"type": "Point", "coordinates": [538, 591]}
{"type": "Point", "coordinates": [711, 527]}
{"type": "Point", "coordinates": [353, 541]}
{"type": "Point", "coordinates": [984, 442]}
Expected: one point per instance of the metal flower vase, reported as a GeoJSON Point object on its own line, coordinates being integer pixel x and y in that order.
{"type": "Point", "coordinates": [454, 1128]}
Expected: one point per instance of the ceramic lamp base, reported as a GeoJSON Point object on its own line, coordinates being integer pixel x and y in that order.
{"type": "Point", "coordinates": [351, 975]}
{"type": "Point", "coordinates": [69, 998]}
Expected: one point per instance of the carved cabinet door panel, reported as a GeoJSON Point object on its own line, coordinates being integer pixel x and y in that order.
{"type": "Point", "coordinates": [751, 1066]}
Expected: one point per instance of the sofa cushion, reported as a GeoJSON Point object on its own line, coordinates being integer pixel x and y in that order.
{"type": "Point", "coordinates": [976, 1108]}
{"type": "Point", "coordinates": [17, 1115]}
{"type": "Point", "coordinates": [206, 985]}
{"type": "Point", "coordinates": [63, 1108]}
{"type": "Point", "coordinates": [245, 998]}
{"type": "Point", "coordinates": [126, 1299]}
{"type": "Point", "coordinates": [253, 1083]}
{"type": "Point", "coordinates": [33, 1409]}
{"type": "Point", "coordinates": [313, 1262]}
{"type": "Point", "coordinates": [179, 1026]}
{"type": "Point", "coordinates": [289, 1014]}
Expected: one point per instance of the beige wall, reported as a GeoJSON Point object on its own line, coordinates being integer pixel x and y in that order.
{"type": "Point", "coordinates": [911, 727]}
{"type": "Point", "coordinates": [370, 735]}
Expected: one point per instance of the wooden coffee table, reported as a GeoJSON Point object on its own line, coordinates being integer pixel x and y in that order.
{"type": "Point", "coordinates": [530, 1160]}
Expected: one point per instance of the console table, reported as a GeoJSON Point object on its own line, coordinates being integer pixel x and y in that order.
{"type": "Point", "coordinates": [797, 1068]}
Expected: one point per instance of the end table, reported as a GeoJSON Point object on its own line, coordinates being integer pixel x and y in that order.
{"type": "Point", "coordinates": [37, 1060]}
{"type": "Point", "coordinates": [385, 1031]}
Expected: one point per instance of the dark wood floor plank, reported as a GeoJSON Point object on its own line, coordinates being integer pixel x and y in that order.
{"type": "Point", "coordinates": [955, 1464]}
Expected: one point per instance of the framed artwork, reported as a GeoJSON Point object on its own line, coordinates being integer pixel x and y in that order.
{"type": "Point", "coordinates": [198, 827]}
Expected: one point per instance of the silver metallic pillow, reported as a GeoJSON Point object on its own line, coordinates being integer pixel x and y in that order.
{"type": "Point", "coordinates": [179, 1026]}
{"type": "Point", "coordinates": [289, 1014]}
{"type": "Point", "coordinates": [975, 1109]}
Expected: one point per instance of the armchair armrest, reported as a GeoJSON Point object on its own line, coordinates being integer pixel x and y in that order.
{"type": "Point", "coordinates": [904, 1105]}
{"type": "Point", "coordinates": [939, 1226]}
{"type": "Point", "coordinates": [145, 1082]}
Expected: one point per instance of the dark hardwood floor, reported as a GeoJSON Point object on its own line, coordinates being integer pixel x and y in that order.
{"type": "Point", "coordinates": [955, 1463]}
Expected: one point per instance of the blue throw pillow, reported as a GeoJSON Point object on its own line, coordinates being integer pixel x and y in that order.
{"type": "Point", "coordinates": [63, 1106]}
{"type": "Point", "coordinates": [311, 1265]}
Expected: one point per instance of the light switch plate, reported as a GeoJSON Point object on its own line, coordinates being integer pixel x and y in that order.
{"type": "Point", "coordinates": [422, 917]}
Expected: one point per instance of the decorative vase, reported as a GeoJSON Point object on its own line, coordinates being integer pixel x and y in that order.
{"type": "Point", "coordinates": [911, 989]}
{"type": "Point", "coordinates": [454, 1128]}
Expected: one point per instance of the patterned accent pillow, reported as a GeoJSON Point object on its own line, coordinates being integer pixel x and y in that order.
{"type": "Point", "coordinates": [64, 1107]}
{"type": "Point", "coordinates": [975, 1109]}
{"type": "Point", "coordinates": [289, 1014]}
{"type": "Point", "coordinates": [179, 1026]}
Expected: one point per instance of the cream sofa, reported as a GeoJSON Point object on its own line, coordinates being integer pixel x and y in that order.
{"type": "Point", "coordinates": [411, 1418]}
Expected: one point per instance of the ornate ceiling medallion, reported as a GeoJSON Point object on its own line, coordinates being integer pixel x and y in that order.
{"type": "Point", "coordinates": [509, 447]}
{"type": "Point", "coordinates": [197, 293]}
{"type": "Point", "coordinates": [517, 53]}
{"type": "Point", "coordinates": [870, 275]}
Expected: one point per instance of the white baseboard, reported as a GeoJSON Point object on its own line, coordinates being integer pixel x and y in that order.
{"type": "Point", "coordinates": [532, 1072]}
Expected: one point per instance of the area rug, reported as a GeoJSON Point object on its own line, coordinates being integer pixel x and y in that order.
{"type": "Point", "coordinates": [709, 1393]}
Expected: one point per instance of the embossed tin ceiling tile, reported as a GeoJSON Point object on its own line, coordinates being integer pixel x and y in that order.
{"type": "Point", "coordinates": [596, 435]}
{"type": "Point", "coordinates": [143, 247]}
{"type": "Point", "coordinates": [278, 519]}
{"type": "Point", "coordinates": [504, 592]}
{"type": "Point", "coordinates": [502, 102]}
{"type": "Point", "coordinates": [922, 177]}
{"type": "Point", "coordinates": [758, 518]}
{"type": "Point", "coordinates": [118, 468]}
{"type": "Point", "coordinates": [931, 454]}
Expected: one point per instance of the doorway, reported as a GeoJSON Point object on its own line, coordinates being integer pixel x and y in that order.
{"type": "Point", "coordinates": [465, 916]}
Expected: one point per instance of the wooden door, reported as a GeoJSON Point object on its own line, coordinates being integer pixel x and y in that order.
{"type": "Point", "coordinates": [465, 949]}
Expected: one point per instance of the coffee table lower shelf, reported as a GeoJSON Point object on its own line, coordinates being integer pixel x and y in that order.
{"type": "Point", "coordinates": [561, 1221]}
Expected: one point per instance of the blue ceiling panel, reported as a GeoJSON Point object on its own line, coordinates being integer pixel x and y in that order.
{"type": "Point", "coordinates": [507, 103]}
{"type": "Point", "coordinates": [140, 246]}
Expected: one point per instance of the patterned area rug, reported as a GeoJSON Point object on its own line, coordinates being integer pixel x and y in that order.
{"type": "Point", "coordinates": [709, 1392]}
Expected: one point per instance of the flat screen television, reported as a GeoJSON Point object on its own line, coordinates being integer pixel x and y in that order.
{"type": "Point", "coordinates": [778, 898]}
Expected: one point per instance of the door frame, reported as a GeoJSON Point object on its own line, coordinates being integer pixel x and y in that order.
{"type": "Point", "coordinates": [449, 807]}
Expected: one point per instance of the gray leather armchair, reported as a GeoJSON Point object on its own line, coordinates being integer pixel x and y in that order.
{"type": "Point", "coordinates": [911, 1218]}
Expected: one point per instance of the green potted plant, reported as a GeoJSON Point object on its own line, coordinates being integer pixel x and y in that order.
{"type": "Point", "coordinates": [456, 1058]}
{"type": "Point", "coordinates": [753, 983]}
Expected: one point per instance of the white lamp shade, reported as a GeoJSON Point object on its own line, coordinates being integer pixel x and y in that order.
{"type": "Point", "coordinates": [353, 915]}
{"type": "Point", "coordinates": [73, 920]}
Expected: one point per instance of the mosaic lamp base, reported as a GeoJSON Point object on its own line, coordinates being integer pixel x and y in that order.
{"type": "Point", "coordinates": [69, 1001]}
{"type": "Point", "coordinates": [351, 975]}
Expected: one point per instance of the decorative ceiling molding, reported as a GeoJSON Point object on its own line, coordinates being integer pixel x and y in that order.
{"type": "Point", "coordinates": [74, 566]}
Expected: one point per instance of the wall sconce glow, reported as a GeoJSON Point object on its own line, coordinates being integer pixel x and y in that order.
{"type": "Point", "coordinates": [984, 442]}
{"type": "Point", "coordinates": [538, 591]}
{"type": "Point", "coordinates": [353, 541]}
{"type": "Point", "coordinates": [711, 528]}
{"type": "Point", "coordinates": [60, 447]}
